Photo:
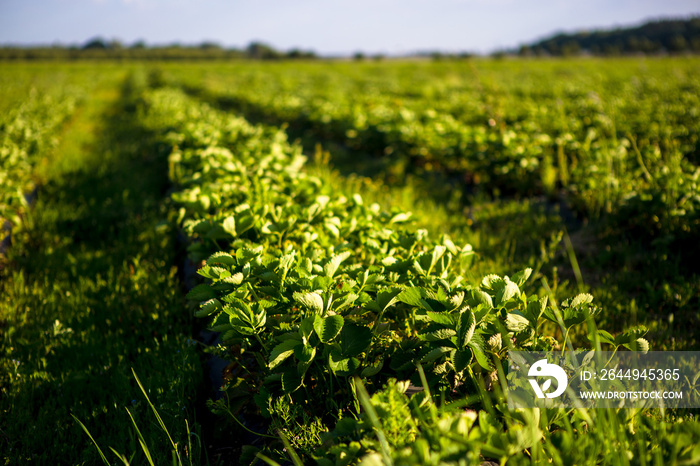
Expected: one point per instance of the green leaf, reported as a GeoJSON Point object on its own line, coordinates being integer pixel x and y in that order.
{"type": "Point", "coordinates": [373, 459]}
{"type": "Point", "coordinates": [271, 277]}
{"type": "Point", "coordinates": [304, 353]}
{"type": "Point", "coordinates": [221, 258]}
{"type": "Point", "coordinates": [606, 337]}
{"type": "Point", "coordinates": [372, 370]}
{"type": "Point", "coordinates": [332, 265]}
{"type": "Point", "coordinates": [481, 297]}
{"type": "Point", "coordinates": [535, 309]}
{"type": "Point", "coordinates": [456, 300]}
{"type": "Point", "coordinates": [478, 351]}
{"type": "Point", "coordinates": [640, 344]}
{"type": "Point", "coordinates": [321, 283]}
{"type": "Point", "coordinates": [461, 359]}
{"type": "Point", "coordinates": [442, 318]}
{"type": "Point", "coordinates": [411, 296]}
{"type": "Point", "coordinates": [577, 315]}
{"type": "Point", "coordinates": [583, 298]}
{"type": "Point", "coordinates": [282, 351]}
{"type": "Point", "coordinates": [216, 232]}
{"type": "Point", "coordinates": [201, 292]}
{"type": "Point", "coordinates": [344, 302]}
{"type": "Point", "coordinates": [247, 255]}
{"type": "Point", "coordinates": [235, 279]}
{"type": "Point", "coordinates": [305, 266]}
{"type": "Point", "coordinates": [202, 227]}
{"type": "Point", "coordinates": [341, 365]}
{"type": "Point", "coordinates": [401, 361]}
{"type": "Point", "coordinates": [220, 323]}
{"type": "Point", "coordinates": [438, 252]}
{"type": "Point", "coordinates": [328, 328]}
{"type": "Point", "coordinates": [495, 342]}
{"type": "Point", "coordinates": [306, 327]}
{"type": "Point", "coordinates": [291, 380]}
{"type": "Point", "coordinates": [466, 327]}
{"type": "Point", "coordinates": [208, 308]}
{"type": "Point", "coordinates": [521, 277]}
{"type": "Point", "coordinates": [389, 261]}
{"type": "Point", "coordinates": [229, 225]}
{"type": "Point", "coordinates": [505, 294]}
{"type": "Point", "coordinates": [449, 245]}
{"type": "Point", "coordinates": [259, 316]}
{"type": "Point", "coordinates": [311, 301]}
{"type": "Point", "coordinates": [516, 322]}
{"type": "Point", "coordinates": [323, 201]}
{"type": "Point", "coordinates": [435, 354]}
{"type": "Point", "coordinates": [213, 272]}
{"type": "Point", "coordinates": [354, 339]}
{"type": "Point", "coordinates": [437, 335]}
{"type": "Point", "coordinates": [630, 335]}
{"type": "Point", "coordinates": [400, 218]}
{"type": "Point", "coordinates": [482, 312]}
{"type": "Point", "coordinates": [418, 269]}
{"type": "Point", "coordinates": [492, 283]}
{"type": "Point", "coordinates": [303, 367]}
{"type": "Point", "coordinates": [286, 262]}
{"type": "Point", "coordinates": [244, 223]}
{"type": "Point", "coordinates": [386, 298]}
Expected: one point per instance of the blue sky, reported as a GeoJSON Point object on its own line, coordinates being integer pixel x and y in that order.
{"type": "Point", "coordinates": [325, 26]}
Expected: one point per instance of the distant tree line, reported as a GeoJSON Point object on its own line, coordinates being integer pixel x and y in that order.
{"type": "Point", "coordinates": [656, 37]}
{"type": "Point", "coordinates": [99, 48]}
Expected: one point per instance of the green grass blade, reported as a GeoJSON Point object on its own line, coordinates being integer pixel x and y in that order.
{"type": "Point", "coordinates": [99, 450]}
{"type": "Point", "coordinates": [142, 441]}
{"type": "Point", "coordinates": [574, 262]}
{"type": "Point", "coordinates": [155, 412]}
{"type": "Point", "coordinates": [374, 419]}
{"type": "Point", "coordinates": [292, 454]}
{"type": "Point", "coordinates": [269, 461]}
{"type": "Point", "coordinates": [123, 458]}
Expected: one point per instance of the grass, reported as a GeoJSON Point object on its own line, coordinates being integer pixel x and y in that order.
{"type": "Point", "coordinates": [176, 456]}
{"type": "Point", "coordinates": [91, 292]}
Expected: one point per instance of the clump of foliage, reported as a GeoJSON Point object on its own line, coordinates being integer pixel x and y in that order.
{"type": "Point", "coordinates": [321, 299]}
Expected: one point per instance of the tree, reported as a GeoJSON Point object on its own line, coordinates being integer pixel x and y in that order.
{"type": "Point", "coordinates": [95, 43]}
{"type": "Point", "coordinates": [261, 51]}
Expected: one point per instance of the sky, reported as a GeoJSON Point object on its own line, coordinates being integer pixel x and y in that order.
{"type": "Point", "coordinates": [328, 27]}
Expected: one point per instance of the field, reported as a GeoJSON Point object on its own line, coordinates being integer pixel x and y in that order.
{"type": "Point", "coordinates": [327, 262]}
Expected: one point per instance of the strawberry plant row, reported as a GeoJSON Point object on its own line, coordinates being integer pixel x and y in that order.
{"type": "Point", "coordinates": [320, 298]}
{"type": "Point", "coordinates": [615, 138]}
{"type": "Point", "coordinates": [27, 131]}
